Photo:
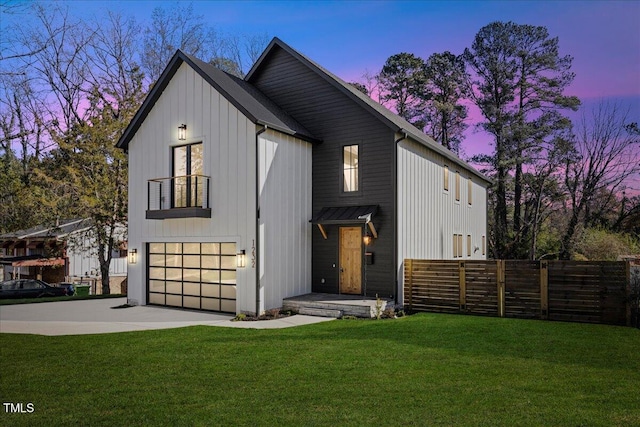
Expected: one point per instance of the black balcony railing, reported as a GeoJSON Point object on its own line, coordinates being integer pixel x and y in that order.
{"type": "Point", "coordinates": [178, 197]}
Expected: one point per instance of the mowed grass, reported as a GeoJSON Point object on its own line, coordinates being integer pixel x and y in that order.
{"type": "Point", "coordinates": [426, 369]}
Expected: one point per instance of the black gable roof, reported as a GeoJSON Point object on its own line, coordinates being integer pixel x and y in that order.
{"type": "Point", "coordinates": [246, 98]}
{"type": "Point", "coordinates": [390, 119]}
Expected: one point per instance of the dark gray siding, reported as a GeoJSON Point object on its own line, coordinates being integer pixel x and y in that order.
{"type": "Point", "coordinates": [331, 116]}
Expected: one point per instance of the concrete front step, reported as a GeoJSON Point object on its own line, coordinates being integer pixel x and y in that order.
{"type": "Point", "coordinates": [346, 308]}
{"type": "Point", "coordinates": [321, 312]}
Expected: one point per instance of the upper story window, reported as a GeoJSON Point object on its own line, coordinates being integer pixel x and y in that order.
{"type": "Point", "coordinates": [350, 166]}
{"type": "Point", "coordinates": [457, 186]}
{"type": "Point", "coordinates": [469, 191]}
{"type": "Point", "coordinates": [446, 177]}
{"type": "Point", "coordinates": [187, 179]}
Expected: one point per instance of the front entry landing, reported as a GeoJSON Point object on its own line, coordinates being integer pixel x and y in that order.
{"type": "Point", "coordinates": [351, 260]}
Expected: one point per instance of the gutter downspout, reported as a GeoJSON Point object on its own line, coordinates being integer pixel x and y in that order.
{"type": "Point", "coordinates": [395, 204]}
{"type": "Point", "coordinates": [258, 133]}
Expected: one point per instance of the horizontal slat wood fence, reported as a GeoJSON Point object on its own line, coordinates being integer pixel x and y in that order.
{"type": "Point", "coordinates": [576, 291]}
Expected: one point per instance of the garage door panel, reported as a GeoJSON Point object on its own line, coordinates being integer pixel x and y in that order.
{"type": "Point", "coordinates": [191, 289]}
{"type": "Point", "coordinates": [228, 305]}
{"type": "Point", "coordinates": [157, 286]}
{"type": "Point", "coordinates": [228, 262]}
{"type": "Point", "coordinates": [228, 292]}
{"type": "Point", "coordinates": [156, 299]}
{"type": "Point", "coordinates": [174, 260]}
{"type": "Point", "coordinates": [191, 261]}
{"type": "Point", "coordinates": [211, 276]}
{"type": "Point", "coordinates": [212, 304]}
{"type": "Point", "coordinates": [228, 277]}
{"type": "Point", "coordinates": [156, 273]}
{"type": "Point", "coordinates": [174, 300]}
{"type": "Point", "coordinates": [191, 275]}
{"type": "Point", "coordinates": [210, 261]}
{"type": "Point", "coordinates": [174, 287]}
{"type": "Point", "coordinates": [173, 273]}
{"type": "Point", "coordinates": [209, 290]}
{"type": "Point", "coordinates": [191, 302]}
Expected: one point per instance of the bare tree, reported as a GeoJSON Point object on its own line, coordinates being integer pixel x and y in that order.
{"type": "Point", "coordinates": [172, 29]}
{"type": "Point", "coordinates": [179, 28]}
{"type": "Point", "coordinates": [606, 154]}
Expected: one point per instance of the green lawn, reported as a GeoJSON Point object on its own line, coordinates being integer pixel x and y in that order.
{"type": "Point", "coordinates": [427, 369]}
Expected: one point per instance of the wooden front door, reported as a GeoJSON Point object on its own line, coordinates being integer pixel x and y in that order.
{"type": "Point", "coordinates": [351, 260]}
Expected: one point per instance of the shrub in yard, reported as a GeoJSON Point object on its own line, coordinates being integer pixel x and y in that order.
{"type": "Point", "coordinates": [240, 317]}
{"type": "Point", "coordinates": [389, 313]}
{"type": "Point", "coordinates": [598, 244]}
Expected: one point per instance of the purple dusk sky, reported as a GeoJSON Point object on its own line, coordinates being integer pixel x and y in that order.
{"type": "Point", "coordinates": [351, 37]}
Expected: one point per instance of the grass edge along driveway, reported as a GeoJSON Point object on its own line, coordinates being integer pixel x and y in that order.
{"type": "Point", "coordinates": [426, 369]}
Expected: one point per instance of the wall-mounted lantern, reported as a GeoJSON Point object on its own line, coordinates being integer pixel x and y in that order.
{"type": "Point", "coordinates": [241, 259]}
{"type": "Point", "coordinates": [182, 132]}
{"type": "Point", "coordinates": [367, 238]}
{"type": "Point", "coordinates": [133, 256]}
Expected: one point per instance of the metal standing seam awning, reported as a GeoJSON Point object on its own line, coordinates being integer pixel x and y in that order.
{"type": "Point", "coordinates": [346, 215]}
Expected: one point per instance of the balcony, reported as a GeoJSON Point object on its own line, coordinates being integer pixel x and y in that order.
{"type": "Point", "coordinates": [178, 197]}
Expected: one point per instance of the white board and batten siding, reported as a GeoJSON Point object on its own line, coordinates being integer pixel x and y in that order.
{"type": "Point", "coordinates": [229, 145]}
{"type": "Point", "coordinates": [284, 173]}
{"type": "Point", "coordinates": [429, 216]}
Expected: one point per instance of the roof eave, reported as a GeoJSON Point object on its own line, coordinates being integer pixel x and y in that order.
{"type": "Point", "coordinates": [447, 154]}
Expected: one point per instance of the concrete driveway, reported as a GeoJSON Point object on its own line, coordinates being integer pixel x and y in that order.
{"type": "Point", "coordinates": [100, 316]}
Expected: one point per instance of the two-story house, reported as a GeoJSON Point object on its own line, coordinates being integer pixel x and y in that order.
{"type": "Point", "coordinates": [243, 192]}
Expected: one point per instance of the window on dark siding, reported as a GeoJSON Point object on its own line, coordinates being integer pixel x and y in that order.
{"type": "Point", "coordinates": [350, 168]}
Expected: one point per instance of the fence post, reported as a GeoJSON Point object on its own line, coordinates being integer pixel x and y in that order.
{"type": "Point", "coordinates": [628, 293]}
{"type": "Point", "coordinates": [409, 267]}
{"type": "Point", "coordinates": [501, 280]}
{"type": "Point", "coordinates": [544, 290]}
{"type": "Point", "coordinates": [463, 286]}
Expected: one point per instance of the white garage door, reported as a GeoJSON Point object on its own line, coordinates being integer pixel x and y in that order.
{"type": "Point", "coordinates": [198, 276]}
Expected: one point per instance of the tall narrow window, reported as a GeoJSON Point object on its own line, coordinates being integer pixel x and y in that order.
{"type": "Point", "coordinates": [187, 180]}
{"type": "Point", "coordinates": [469, 191]}
{"type": "Point", "coordinates": [350, 168]}
{"type": "Point", "coordinates": [446, 177]}
{"type": "Point", "coordinates": [484, 245]}
{"type": "Point", "coordinates": [455, 246]}
{"type": "Point", "coordinates": [457, 186]}
{"type": "Point", "coordinates": [468, 244]}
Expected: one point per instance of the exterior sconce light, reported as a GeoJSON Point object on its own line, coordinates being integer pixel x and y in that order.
{"type": "Point", "coordinates": [367, 239]}
{"type": "Point", "coordinates": [182, 132]}
{"type": "Point", "coordinates": [133, 256]}
{"type": "Point", "coordinates": [241, 259]}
